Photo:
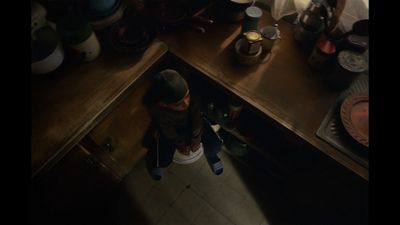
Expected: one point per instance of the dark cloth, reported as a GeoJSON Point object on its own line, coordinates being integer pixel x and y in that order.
{"type": "Point", "coordinates": [161, 153]}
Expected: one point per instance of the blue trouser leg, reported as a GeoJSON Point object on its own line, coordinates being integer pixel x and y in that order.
{"type": "Point", "coordinates": [211, 141]}
{"type": "Point", "coordinates": [161, 153]}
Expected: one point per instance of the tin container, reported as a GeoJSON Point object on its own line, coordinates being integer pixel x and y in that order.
{"type": "Point", "coordinates": [253, 41]}
{"type": "Point", "coordinates": [252, 16]}
{"type": "Point", "coordinates": [270, 34]}
{"type": "Point", "coordinates": [243, 58]}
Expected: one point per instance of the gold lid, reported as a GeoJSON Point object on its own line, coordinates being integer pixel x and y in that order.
{"type": "Point", "coordinates": [253, 36]}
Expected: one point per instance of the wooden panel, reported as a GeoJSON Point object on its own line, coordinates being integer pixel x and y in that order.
{"type": "Point", "coordinates": [78, 188]}
{"type": "Point", "coordinates": [67, 104]}
{"type": "Point", "coordinates": [121, 133]}
{"type": "Point", "coordinates": [281, 87]}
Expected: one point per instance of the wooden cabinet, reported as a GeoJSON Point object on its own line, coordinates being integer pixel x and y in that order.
{"type": "Point", "coordinates": [87, 128]}
{"type": "Point", "coordinates": [120, 135]}
{"type": "Point", "coordinates": [78, 190]}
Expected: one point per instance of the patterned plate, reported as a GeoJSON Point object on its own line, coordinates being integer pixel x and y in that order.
{"type": "Point", "coordinates": [354, 113]}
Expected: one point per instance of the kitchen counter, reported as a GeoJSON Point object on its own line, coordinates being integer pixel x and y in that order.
{"type": "Point", "coordinates": [68, 103]}
{"type": "Point", "coordinates": [282, 86]}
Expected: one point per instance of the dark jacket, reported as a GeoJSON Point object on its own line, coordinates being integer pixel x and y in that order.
{"type": "Point", "coordinates": [182, 127]}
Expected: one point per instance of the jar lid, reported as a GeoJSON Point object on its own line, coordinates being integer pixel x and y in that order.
{"type": "Point", "coordinates": [352, 61]}
{"type": "Point", "coordinates": [252, 36]}
{"type": "Point", "coordinates": [270, 32]}
{"type": "Point", "coordinates": [253, 12]}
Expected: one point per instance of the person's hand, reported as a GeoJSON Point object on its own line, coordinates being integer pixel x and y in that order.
{"type": "Point", "coordinates": [194, 147]}
{"type": "Point", "coordinates": [183, 149]}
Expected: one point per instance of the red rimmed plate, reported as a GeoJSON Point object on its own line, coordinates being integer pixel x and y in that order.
{"type": "Point", "coordinates": [354, 113]}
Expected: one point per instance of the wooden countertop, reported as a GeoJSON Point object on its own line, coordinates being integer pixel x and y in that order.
{"type": "Point", "coordinates": [71, 101]}
{"type": "Point", "coordinates": [281, 86]}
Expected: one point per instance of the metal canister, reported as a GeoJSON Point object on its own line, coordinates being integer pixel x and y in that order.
{"type": "Point", "coordinates": [253, 42]}
{"type": "Point", "coordinates": [269, 34]}
{"type": "Point", "coordinates": [251, 18]}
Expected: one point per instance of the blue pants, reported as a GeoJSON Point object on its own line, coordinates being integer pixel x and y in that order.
{"type": "Point", "coordinates": [162, 155]}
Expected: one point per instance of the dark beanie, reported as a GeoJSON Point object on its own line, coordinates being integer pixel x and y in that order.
{"type": "Point", "coordinates": [171, 86]}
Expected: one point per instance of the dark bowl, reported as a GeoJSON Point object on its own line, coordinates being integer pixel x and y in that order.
{"type": "Point", "coordinates": [101, 14]}
{"type": "Point", "coordinates": [236, 5]}
{"type": "Point", "coordinates": [129, 38]}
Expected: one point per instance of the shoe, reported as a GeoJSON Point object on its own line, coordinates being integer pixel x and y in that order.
{"type": "Point", "coordinates": [157, 173]}
{"type": "Point", "coordinates": [180, 158]}
{"type": "Point", "coordinates": [217, 168]}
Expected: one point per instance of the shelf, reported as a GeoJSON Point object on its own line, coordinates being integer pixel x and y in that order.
{"type": "Point", "coordinates": [253, 146]}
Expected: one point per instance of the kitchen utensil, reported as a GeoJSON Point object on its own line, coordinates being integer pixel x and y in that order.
{"type": "Point", "coordinates": [115, 16]}
{"type": "Point", "coordinates": [251, 17]}
{"type": "Point", "coordinates": [354, 114]}
{"type": "Point", "coordinates": [100, 9]}
{"type": "Point", "coordinates": [238, 5]}
{"type": "Point", "coordinates": [177, 15]}
{"type": "Point", "coordinates": [244, 58]}
{"type": "Point", "coordinates": [131, 36]}
{"type": "Point", "coordinates": [253, 42]}
{"type": "Point", "coordinates": [270, 34]}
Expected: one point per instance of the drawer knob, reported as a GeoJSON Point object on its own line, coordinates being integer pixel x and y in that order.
{"type": "Point", "coordinates": [109, 144]}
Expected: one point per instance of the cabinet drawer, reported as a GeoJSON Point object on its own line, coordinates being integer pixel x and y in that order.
{"type": "Point", "coordinates": [119, 136]}
{"type": "Point", "coordinates": [78, 183]}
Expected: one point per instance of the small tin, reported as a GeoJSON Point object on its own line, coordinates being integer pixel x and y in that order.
{"type": "Point", "coordinates": [269, 34]}
{"type": "Point", "coordinates": [253, 42]}
{"type": "Point", "coordinates": [251, 17]}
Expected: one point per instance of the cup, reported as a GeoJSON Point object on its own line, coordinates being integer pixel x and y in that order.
{"type": "Point", "coordinates": [270, 34]}
{"type": "Point", "coordinates": [235, 108]}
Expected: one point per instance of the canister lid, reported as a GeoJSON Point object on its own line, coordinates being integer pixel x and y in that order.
{"type": "Point", "coordinates": [253, 12]}
{"type": "Point", "coordinates": [270, 32]}
{"type": "Point", "coordinates": [252, 36]}
{"type": "Point", "coordinates": [352, 61]}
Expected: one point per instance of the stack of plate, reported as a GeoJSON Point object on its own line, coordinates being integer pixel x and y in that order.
{"type": "Point", "coordinates": [131, 36]}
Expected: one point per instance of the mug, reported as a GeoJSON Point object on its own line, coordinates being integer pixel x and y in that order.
{"type": "Point", "coordinates": [270, 34]}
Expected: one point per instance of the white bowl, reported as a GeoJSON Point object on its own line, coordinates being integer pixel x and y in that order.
{"type": "Point", "coordinates": [182, 159]}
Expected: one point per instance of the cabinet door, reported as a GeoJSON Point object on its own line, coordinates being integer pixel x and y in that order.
{"type": "Point", "coordinates": [78, 190]}
{"type": "Point", "coordinates": [120, 135]}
